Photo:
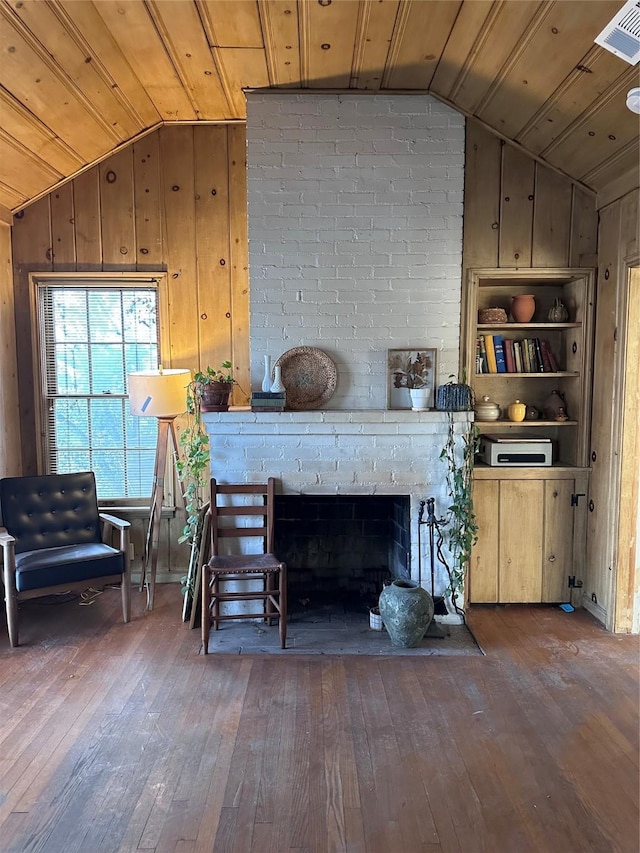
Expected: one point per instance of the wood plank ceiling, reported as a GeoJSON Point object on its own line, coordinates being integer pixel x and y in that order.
{"type": "Point", "coordinates": [80, 78]}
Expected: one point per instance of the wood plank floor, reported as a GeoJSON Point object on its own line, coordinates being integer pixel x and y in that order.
{"type": "Point", "coordinates": [124, 738]}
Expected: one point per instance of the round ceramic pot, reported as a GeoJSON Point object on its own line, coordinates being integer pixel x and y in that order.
{"type": "Point", "coordinates": [517, 411]}
{"type": "Point", "coordinates": [375, 619]}
{"type": "Point", "coordinates": [214, 397]}
{"type": "Point", "coordinates": [532, 414]}
{"type": "Point", "coordinates": [487, 410]}
{"type": "Point", "coordinates": [523, 307]}
{"type": "Point", "coordinates": [419, 399]}
{"type": "Point", "coordinates": [406, 610]}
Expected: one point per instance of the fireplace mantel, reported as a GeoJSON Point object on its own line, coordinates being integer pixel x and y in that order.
{"type": "Point", "coordinates": [367, 451]}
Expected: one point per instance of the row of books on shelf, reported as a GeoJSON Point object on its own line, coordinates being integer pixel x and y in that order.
{"type": "Point", "coordinates": [495, 354]}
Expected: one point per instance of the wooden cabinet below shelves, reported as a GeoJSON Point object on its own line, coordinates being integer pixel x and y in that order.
{"type": "Point", "coordinates": [531, 534]}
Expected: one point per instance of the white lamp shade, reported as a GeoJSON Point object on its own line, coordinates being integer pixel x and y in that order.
{"type": "Point", "coordinates": [159, 394]}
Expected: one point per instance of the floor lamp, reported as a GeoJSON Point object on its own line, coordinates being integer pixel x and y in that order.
{"type": "Point", "coordinates": [161, 394]}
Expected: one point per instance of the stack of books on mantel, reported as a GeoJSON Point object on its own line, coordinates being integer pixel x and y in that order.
{"type": "Point", "coordinates": [268, 401]}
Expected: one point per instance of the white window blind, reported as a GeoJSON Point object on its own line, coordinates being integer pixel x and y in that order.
{"type": "Point", "coordinates": [90, 337]}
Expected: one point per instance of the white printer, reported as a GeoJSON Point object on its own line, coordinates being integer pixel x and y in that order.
{"type": "Point", "coordinates": [506, 450]}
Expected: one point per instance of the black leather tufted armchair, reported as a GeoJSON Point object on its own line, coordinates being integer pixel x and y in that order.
{"type": "Point", "coordinates": [53, 539]}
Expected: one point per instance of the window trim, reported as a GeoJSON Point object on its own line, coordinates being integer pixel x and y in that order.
{"type": "Point", "coordinates": [84, 279]}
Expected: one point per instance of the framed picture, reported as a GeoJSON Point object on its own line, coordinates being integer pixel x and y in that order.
{"type": "Point", "coordinates": [410, 368]}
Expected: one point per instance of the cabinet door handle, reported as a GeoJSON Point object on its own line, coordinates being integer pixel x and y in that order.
{"type": "Point", "coordinates": [552, 558]}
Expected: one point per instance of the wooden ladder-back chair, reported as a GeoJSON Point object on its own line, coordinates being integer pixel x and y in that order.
{"type": "Point", "coordinates": [260, 576]}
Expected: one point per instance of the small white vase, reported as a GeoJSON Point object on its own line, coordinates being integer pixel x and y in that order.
{"type": "Point", "coordinates": [419, 399]}
{"type": "Point", "coordinates": [266, 379]}
{"type": "Point", "coordinates": [277, 385]}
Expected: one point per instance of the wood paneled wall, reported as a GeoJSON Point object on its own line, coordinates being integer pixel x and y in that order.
{"type": "Point", "coordinates": [174, 201]}
{"type": "Point", "coordinates": [518, 213]}
{"type": "Point", "coordinates": [10, 464]}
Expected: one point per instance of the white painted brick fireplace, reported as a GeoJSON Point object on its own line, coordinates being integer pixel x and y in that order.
{"type": "Point", "coordinates": [355, 246]}
{"type": "Point", "coordinates": [365, 452]}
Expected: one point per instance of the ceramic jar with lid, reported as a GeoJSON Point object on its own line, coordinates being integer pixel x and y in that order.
{"type": "Point", "coordinates": [487, 410]}
{"type": "Point", "coordinates": [516, 411]}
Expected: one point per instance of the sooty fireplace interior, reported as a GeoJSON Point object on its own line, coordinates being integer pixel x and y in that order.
{"type": "Point", "coordinates": [340, 549]}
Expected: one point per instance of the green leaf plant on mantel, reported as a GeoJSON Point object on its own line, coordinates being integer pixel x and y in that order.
{"type": "Point", "coordinates": [212, 387]}
{"type": "Point", "coordinates": [458, 454]}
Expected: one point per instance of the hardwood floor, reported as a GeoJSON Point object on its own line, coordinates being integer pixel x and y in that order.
{"type": "Point", "coordinates": [124, 738]}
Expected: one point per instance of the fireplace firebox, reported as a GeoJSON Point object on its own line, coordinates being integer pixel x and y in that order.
{"type": "Point", "coordinates": [340, 549]}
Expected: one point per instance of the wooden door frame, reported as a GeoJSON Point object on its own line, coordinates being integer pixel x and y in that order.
{"type": "Point", "coordinates": [624, 615]}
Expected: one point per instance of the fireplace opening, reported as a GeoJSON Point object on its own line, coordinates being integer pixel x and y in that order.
{"type": "Point", "coordinates": [340, 549]}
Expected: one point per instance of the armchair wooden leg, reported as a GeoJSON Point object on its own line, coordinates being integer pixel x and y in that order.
{"type": "Point", "coordinates": [11, 603]}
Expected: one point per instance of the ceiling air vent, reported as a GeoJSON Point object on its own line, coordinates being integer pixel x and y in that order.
{"type": "Point", "coordinates": [622, 34]}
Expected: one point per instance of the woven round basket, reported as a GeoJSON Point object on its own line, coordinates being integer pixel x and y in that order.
{"type": "Point", "coordinates": [492, 315]}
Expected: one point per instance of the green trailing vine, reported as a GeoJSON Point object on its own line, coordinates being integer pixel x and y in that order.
{"type": "Point", "coordinates": [462, 530]}
{"type": "Point", "coordinates": [193, 471]}
{"type": "Point", "coordinates": [193, 466]}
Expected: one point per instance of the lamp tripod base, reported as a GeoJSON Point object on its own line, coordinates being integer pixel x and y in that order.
{"type": "Point", "coordinates": [166, 440]}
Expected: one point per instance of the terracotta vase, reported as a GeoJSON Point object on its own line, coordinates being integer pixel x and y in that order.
{"type": "Point", "coordinates": [523, 307]}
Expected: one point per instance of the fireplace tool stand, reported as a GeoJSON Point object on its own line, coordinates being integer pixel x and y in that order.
{"type": "Point", "coordinates": [433, 523]}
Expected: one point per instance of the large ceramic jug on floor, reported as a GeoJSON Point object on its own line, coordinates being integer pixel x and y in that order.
{"type": "Point", "coordinates": [406, 610]}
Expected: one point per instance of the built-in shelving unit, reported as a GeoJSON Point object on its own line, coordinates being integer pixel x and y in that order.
{"type": "Point", "coordinates": [532, 521]}
{"type": "Point", "coordinates": [570, 342]}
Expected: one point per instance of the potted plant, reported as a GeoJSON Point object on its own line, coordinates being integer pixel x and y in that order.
{"type": "Point", "coordinates": [415, 375]}
{"type": "Point", "coordinates": [213, 387]}
{"type": "Point", "coordinates": [461, 527]}
{"type": "Point", "coordinates": [193, 464]}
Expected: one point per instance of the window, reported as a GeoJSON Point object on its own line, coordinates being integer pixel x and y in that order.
{"type": "Point", "coordinates": [92, 333]}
